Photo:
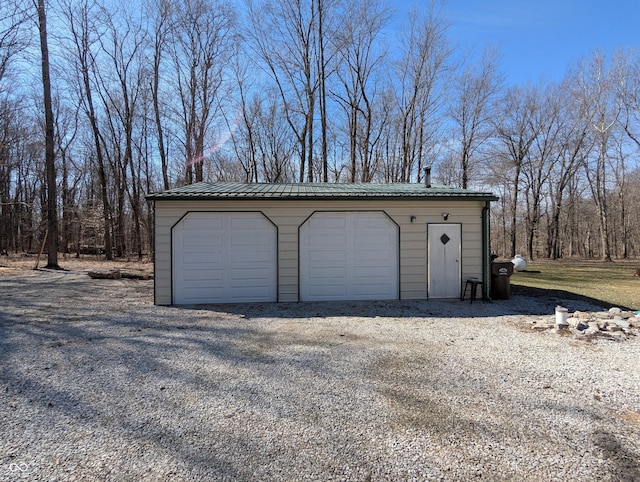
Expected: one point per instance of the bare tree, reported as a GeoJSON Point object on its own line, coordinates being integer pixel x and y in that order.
{"type": "Point", "coordinates": [628, 92]}
{"type": "Point", "coordinates": [276, 148]}
{"type": "Point", "coordinates": [573, 146]}
{"type": "Point", "coordinates": [82, 25]}
{"type": "Point", "coordinates": [320, 6]}
{"type": "Point", "coordinates": [263, 142]}
{"type": "Point", "coordinates": [121, 93]}
{"type": "Point", "coordinates": [619, 161]}
{"type": "Point", "coordinates": [516, 131]}
{"type": "Point", "coordinates": [66, 130]}
{"type": "Point", "coordinates": [12, 41]}
{"type": "Point", "coordinates": [289, 38]}
{"type": "Point", "coordinates": [280, 33]}
{"type": "Point", "coordinates": [161, 19]}
{"type": "Point", "coordinates": [539, 161]}
{"type": "Point", "coordinates": [471, 108]}
{"type": "Point", "coordinates": [421, 76]}
{"type": "Point", "coordinates": [359, 57]}
{"type": "Point", "coordinates": [603, 109]}
{"type": "Point", "coordinates": [201, 43]}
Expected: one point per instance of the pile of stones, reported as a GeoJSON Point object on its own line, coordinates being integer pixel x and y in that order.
{"type": "Point", "coordinates": [615, 324]}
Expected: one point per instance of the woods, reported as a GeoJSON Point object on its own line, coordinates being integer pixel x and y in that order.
{"type": "Point", "coordinates": [152, 95]}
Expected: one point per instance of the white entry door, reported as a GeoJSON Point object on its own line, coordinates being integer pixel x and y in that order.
{"type": "Point", "coordinates": [444, 260]}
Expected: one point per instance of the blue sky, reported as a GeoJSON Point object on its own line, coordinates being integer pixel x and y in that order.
{"type": "Point", "coordinates": [540, 39]}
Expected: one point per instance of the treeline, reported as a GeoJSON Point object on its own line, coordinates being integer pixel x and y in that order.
{"type": "Point", "coordinates": [157, 94]}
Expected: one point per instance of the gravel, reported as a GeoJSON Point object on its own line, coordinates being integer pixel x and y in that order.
{"type": "Point", "coordinates": [97, 383]}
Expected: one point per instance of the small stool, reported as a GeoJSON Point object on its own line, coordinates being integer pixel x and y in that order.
{"type": "Point", "coordinates": [474, 282]}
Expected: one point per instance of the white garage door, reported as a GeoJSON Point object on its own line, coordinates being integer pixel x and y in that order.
{"type": "Point", "coordinates": [348, 256]}
{"type": "Point", "coordinates": [224, 258]}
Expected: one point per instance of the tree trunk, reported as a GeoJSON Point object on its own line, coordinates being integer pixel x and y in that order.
{"type": "Point", "coordinates": [514, 212]}
{"type": "Point", "coordinates": [600, 195]}
{"type": "Point", "coordinates": [323, 92]}
{"type": "Point", "coordinates": [50, 156]}
{"type": "Point", "coordinates": [161, 147]}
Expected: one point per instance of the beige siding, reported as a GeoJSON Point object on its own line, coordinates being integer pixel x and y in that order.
{"type": "Point", "coordinates": [288, 215]}
{"type": "Point", "coordinates": [471, 247]}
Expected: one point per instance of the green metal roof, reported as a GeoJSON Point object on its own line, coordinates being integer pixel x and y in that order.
{"type": "Point", "coordinates": [263, 191]}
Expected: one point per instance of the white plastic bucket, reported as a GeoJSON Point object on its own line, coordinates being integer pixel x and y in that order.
{"type": "Point", "coordinates": [561, 316]}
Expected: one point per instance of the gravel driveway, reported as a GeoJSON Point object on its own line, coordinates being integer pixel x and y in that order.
{"type": "Point", "coordinates": [97, 383]}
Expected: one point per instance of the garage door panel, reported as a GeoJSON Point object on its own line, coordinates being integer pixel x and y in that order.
{"type": "Point", "coordinates": [200, 295]}
{"type": "Point", "coordinates": [370, 222]}
{"type": "Point", "coordinates": [334, 273]}
{"type": "Point", "coordinates": [250, 274]}
{"type": "Point", "coordinates": [327, 292]}
{"type": "Point", "coordinates": [211, 274]}
{"type": "Point", "coordinates": [371, 291]}
{"type": "Point", "coordinates": [201, 257]}
{"type": "Point", "coordinates": [329, 239]}
{"type": "Point", "coordinates": [325, 222]}
{"type": "Point", "coordinates": [364, 273]}
{"type": "Point", "coordinates": [248, 294]}
{"type": "Point", "coordinates": [224, 257]}
{"type": "Point", "coordinates": [350, 255]}
{"type": "Point", "coordinates": [321, 257]}
{"type": "Point", "coordinates": [198, 287]}
{"type": "Point", "coordinates": [374, 240]}
{"type": "Point", "coordinates": [250, 256]}
{"type": "Point", "coordinates": [249, 266]}
{"type": "Point", "coordinates": [242, 222]}
{"type": "Point", "coordinates": [200, 238]}
{"type": "Point", "coordinates": [370, 256]}
{"type": "Point", "coordinates": [201, 223]}
{"type": "Point", "coordinates": [193, 287]}
{"type": "Point", "coordinates": [240, 240]}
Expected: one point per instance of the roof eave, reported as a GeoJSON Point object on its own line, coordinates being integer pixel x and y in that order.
{"type": "Point", "coordinates": [312, 197]}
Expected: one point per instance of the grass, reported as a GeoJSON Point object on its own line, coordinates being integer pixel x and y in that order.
{"type": "Point", "coordinates": [612, 284]}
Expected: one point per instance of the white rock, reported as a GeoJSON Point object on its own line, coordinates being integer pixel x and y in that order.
{"type": "Point", "coordinates": [572, 321]}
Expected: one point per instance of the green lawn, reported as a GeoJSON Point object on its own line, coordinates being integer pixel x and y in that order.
{"type": "Point", "coordinates": [611, 284]}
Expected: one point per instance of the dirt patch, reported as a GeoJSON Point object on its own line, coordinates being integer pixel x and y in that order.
{"type": "Point", "coordinates": [14, 264]}
{"type": "Point", "coordinates": [632, 417]}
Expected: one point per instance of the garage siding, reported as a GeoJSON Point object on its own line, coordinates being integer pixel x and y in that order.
{"type": "Point", "coordinates": [289, 215]}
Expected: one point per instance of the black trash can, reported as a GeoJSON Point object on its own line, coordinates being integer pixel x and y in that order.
{"type": "Point", "coordinates": [501, 272]}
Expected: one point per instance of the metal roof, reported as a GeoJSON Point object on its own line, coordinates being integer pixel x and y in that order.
{"type": "Point", "coordinates": [263, 191]}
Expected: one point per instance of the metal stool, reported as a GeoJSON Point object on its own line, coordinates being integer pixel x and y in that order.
{"type": "Point", "coordinates": [474, 282]}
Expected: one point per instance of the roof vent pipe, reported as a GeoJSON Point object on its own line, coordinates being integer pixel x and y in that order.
{"type": "Point", "coordinates": [427, 176]}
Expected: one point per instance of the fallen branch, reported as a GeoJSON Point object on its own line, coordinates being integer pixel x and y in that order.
{"type": "Point", "coordinates": [133, 275]}
{"type": "Point", "coordinates": [117, 274]}
{"type": "Point", "coordinates": [105, 274]}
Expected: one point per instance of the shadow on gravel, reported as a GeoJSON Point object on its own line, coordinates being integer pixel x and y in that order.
{"type": "Point", "coordinates": [623, 463]}
{"type": "Point", "coordinates": [535, 303]}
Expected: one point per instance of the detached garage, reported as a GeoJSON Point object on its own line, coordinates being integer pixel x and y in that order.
{"type": "Point", "coordinates": [237, 243]}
